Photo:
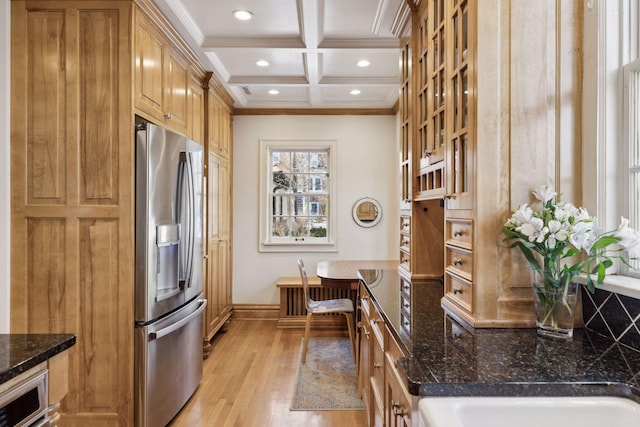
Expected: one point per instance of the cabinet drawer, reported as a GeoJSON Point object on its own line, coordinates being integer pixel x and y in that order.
{"type": "Point", "coordinates": [377, 325]}
{"type": "Point", "coordinates": [405, 304]}
{"type": "Point", "coordinates": [459, 232]}
{"type": "Point", "coordinates": [405, 286]}
{"type": "Point", "coordinates": [365, 301]}
{"type": "Point", "coordinates": [459, 290]}
{"type": "Point", "coordinates": [405, 224]}
{"type": "Point", "coordinates": [405, 243]}
{"type": "Point", "coordinates": [459, 262]}
{"type": "Point", "coordinates": [404, 259]}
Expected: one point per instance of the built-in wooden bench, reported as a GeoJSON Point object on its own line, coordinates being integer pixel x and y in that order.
{"type": "Point", "coordinates": [293, 312]}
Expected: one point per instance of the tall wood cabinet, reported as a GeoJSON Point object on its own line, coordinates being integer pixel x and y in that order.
{"type": "Point", "coordinates": [493, 112]}
{"type": "Point", "coordinates": [81, 71]}
{"type": "Point", "coordinates": [218, 149]}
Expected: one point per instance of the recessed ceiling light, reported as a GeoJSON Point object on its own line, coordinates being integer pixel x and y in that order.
{"type": "Point", "coordinates": [363, 63]}
{"type": "Point", "coordinates": [262, 63]}
{"type": "Point", "coordinates": [355, 92]}
{"type": "Point", "coordinates": [273, 92]}
{"type": "Point", "coordinates": [242, 15]}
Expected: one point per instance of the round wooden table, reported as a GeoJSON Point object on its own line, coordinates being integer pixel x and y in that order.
{"type": "Point", "coordinates": [344, 274]}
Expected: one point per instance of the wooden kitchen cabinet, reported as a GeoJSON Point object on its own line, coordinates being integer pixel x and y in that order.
{"type": "Point", "coordinates": [162, 77]}
{"type": "Point", "coordinates": [196, 112]}
{"type": "Point", "coordinates": [387, 399]}
{"type": "Point", "coordinates": [81, 71]}
{"type": "Point", "coordinates": [219, 117]}
{"type": "Point", "coordinates": [217, 287]}
{"type": "Point", "coordinates": [489, 118]}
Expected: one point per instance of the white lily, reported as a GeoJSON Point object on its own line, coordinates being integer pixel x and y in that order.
{"type": "Point", "coordinates": [544, 193]}
{"type": "Point", "coordinates": [534, 230]}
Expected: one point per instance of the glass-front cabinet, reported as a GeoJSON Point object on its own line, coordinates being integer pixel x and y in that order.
{"type": "Point", "coordinates": [460, 137]}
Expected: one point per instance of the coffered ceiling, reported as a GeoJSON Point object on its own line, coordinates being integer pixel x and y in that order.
{"type": "Point", "coordinates": [312, 47]}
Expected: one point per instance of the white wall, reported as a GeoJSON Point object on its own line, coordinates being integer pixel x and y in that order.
{"type": "Point", "coordinates": [368, 160]}
{"type": "Point", "coordinates": [5, 201]}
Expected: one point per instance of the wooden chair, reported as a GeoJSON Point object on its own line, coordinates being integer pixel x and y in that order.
{"type": "Point", "coordinates": [342, 306]}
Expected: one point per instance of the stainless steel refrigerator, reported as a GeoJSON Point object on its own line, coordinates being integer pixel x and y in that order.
{"type": "Point", "coordinates": [169, 273]}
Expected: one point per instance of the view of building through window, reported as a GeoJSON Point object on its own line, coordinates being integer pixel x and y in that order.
{"type": "Point", "coordinates": [299, 205]}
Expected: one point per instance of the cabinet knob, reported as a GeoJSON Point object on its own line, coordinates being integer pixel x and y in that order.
{"type": "Point", "coordinates": [377, 365]}
{"type": "Point", "coordinates": [397, 409]}
{"type": "Point", "coordinates": [457, 261]}
{"type": "Point", "coordinates": [457, 291]}
{"type": "Point", "coordinates": [168, 116]}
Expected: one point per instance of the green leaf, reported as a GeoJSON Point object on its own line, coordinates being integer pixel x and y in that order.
{"type": "Point", "coordinates": [604, 241]}
{"type": "Point", "coordinates": [601, 272]}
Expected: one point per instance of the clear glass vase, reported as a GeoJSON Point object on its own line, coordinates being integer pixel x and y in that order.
{"type": "Point", "coordinates": [555, 301]}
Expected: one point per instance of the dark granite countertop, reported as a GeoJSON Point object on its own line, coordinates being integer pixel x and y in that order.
{"type": "Point", "coordinates": [21, 352]}
{"type": "Point", "coordinates": [449, 358]}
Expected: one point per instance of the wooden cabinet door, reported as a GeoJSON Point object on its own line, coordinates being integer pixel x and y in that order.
{"type": "Point", "coordinates": [364, 363]}
{"type": "Point", "coordinates": [149, 51]}
{"type": "Point", "coordinates": [196, 110]}
{"type": "Point", "coordinates": [72, 239]}
{"type": "Point", "coordinates": [224, 121]}
{"type": "Point", "coordinates": [176, 89]}
{"type": "Point", "coordinates": [224, 202]}
{"type": "Point", "coordinates": [398, 409]}
{"type": "Point", "coordinates": [218, 286]}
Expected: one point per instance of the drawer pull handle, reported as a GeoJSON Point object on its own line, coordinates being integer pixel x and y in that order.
{"type": "Point", "coordinates": [397, 409]}
{"type": "Point", "coordinates": [457, 261]}
{"type": "Point", "coordinates": [457, 291]}
{"type": "Point", "coordinates": [457, 233]}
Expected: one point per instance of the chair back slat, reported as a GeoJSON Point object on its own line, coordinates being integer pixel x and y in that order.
{"type": "Point", "coordinates": [305, 283]}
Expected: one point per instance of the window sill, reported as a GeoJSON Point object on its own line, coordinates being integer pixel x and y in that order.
{"type": "Point", "coordinates": [298, 247]}
{"type": "Point", "coordinates": [623, 285]}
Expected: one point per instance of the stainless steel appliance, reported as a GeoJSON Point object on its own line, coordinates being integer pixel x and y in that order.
{"type": "Point", "coordinates": [169, 272]}
{"type": "Point", "coordinates": [24, 402]}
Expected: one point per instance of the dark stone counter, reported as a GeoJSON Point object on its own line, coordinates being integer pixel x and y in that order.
{"type": "Point", "coordinates": [449, 358]}
{"type": "Point", "coordinates": [21, 352]}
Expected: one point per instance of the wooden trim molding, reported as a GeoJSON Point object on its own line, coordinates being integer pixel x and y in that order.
{"type": "Point", "coordinates": [255, 311]}
{"type": "Point", "coordinates": [314, 112]}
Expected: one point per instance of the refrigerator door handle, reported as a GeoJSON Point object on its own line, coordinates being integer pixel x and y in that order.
{"type": "Point", "coordinates": [179, 324]}
{"type": "Point", "coordinates": [190, 218]}
{"type": "Point", "coordinates": [184, 202]}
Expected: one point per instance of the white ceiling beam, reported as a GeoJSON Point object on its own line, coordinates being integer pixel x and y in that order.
{"type": "Point", "coordinates": [211, 43]}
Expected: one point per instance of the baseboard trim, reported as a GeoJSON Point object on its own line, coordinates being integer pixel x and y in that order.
{"type": "Point", "coordinates": [255, 311]}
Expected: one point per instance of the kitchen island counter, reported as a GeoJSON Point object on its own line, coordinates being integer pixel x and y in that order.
{"type": "Point", "coordinates": [449, 358]}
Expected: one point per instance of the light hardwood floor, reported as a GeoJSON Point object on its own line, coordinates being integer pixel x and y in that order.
{"type": "Point", "coordinates": [248, 381]}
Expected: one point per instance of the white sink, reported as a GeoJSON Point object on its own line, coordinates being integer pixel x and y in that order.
{"type": "Point", "coordinates": [597, 411]}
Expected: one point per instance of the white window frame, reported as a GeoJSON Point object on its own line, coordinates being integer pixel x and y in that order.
{"type": "Point", "coordinates": [606, 122]}
{"type": "Point", "coordinates": [265, 242]}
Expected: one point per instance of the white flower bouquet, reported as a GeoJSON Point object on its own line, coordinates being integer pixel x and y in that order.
{"type": "Point", "coordinates": [557, 234]}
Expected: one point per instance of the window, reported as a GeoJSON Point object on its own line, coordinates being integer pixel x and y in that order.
{"type": "Point", "coordinates": [296, 200]}
{"type": "Point", "coordinates": [611, 125]}
{"type": "Point", "coordinates": [631, 140]}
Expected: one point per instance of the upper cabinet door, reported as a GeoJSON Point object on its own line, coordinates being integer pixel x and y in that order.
{"type": "Point", "coordinates": [162, 77]}
{"type": "Point", "coordinates": [177, 84]}
{"type": "Point", "coordinates": [149, 69]}
{"type": "Point", "coordinates": [460, 123]}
